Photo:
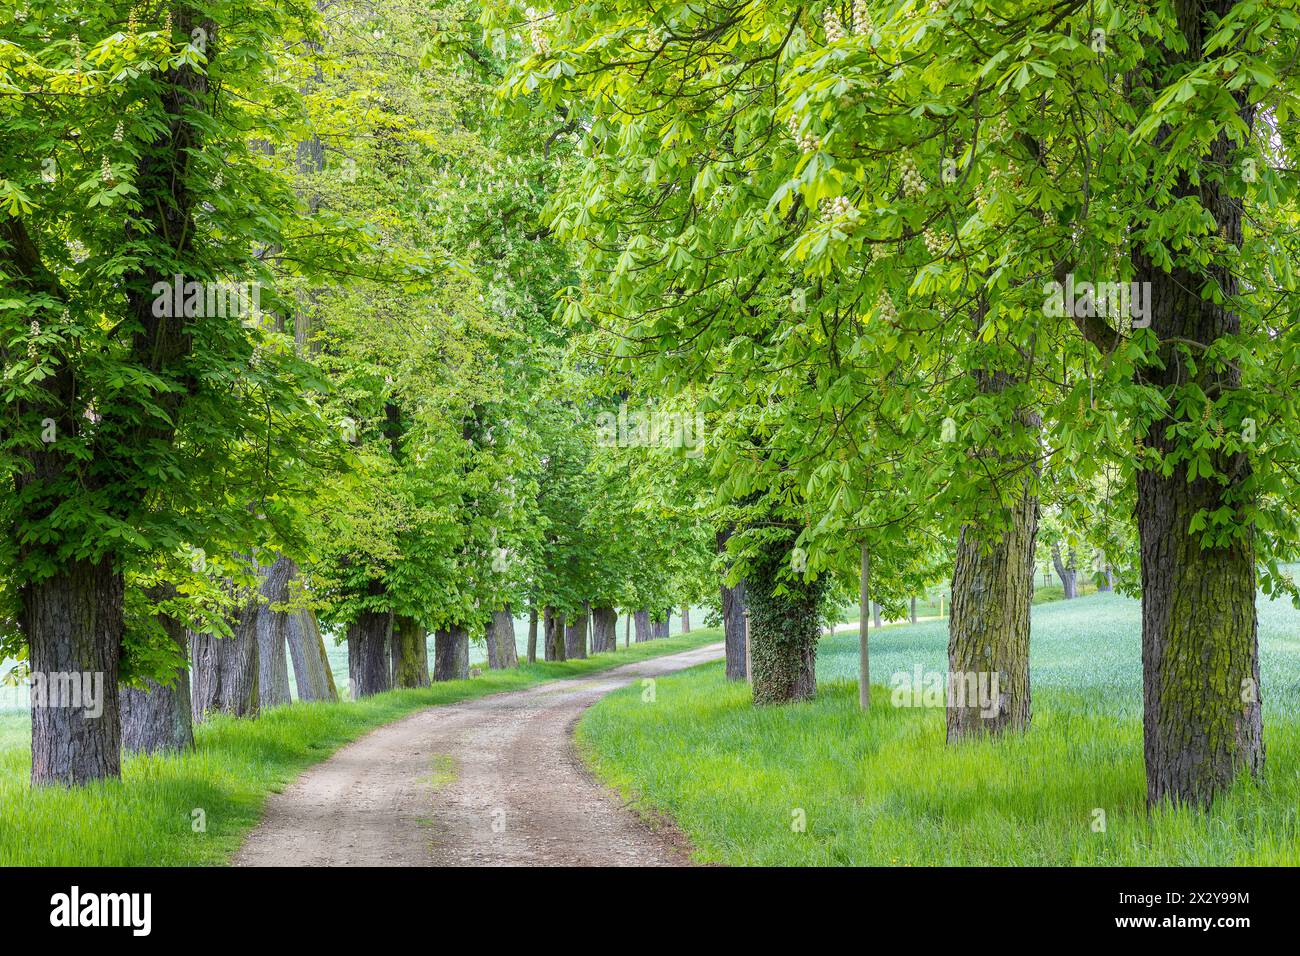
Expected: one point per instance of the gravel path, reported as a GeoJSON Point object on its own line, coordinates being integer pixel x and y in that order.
{"type": "Point", "coordinates": [487, 782]}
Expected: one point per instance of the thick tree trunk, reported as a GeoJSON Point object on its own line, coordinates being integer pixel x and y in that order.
{"type": "Point", "coordinates": [410, 653]}
{"type": "Point", "coordinates": [913, 609]}
{"type": "Point", "coordinates": [73, 625]}
{"type": "Point", "coordinates": [311, 666]}
{"type": "Point", "coordinates": [864, 649]}
{"type": "Point", "coordinates": [643, 632]}
{"type": "Point", "coordinates": [1107, 581]}
{"type": "Point", "coordinates": [663, 627]}
{"type": "Point", "coordinates": [988, 631]}
{"type": "Point", "coordinates": [575, 634]}
{"type": "Point", "coordinates": [369, 669]}
{"type": "Point", "coordinates": [451, 653]}
{"type": "Point", "coordinates": [490, 645]}
{"type": "Point", "coordinates": [1067, 572]}
{"type": "Point", "coordinates": [1202, 719]}
{"type": "Point", "coordinates": [553, 633]}
{"type": "Point", "coordinates": [733, 617]}
{"type": "Point", "coordinates": [733, 629]}
{"type": "Point", "coordinates": [783, 629]}
{"type": "Point", "coordinates": [157, 718]}
{"type": "Point", "coordinates": [226, 669]}
{"type": "Point", "coordinates": [686, 619]}
{"type": "Point", "coordinates": [502, 652]}
{"type": "Point", "coordinates": [875, 616]}
{"type": "Point", "coordinates": [604, 634]}
{"type": "Point", "coordinates": [1200, 653]}
{"type": "Point", "coordinates": [272, 659]}
{"type": "Point", "coordinates": [532, 635]}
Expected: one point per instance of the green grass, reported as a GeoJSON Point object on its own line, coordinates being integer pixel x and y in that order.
{"type": "Point", "coordinates": [884, 789]}
{"type": "Point", "coordinates": [145, 818]}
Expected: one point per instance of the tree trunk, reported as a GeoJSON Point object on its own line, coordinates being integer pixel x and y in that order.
{"type": "Point", "coordinates": [733, 629]}
{"type": "Point", "coordinates": [272, 660]}
{"type": "Point", "coordinates": [575, 634]}
{"type": "Point", "coordinates": [157, 718]}
{"type": "Point", "coordinates": [532, 635]}
{"type": "Point", "coordinates": [914, 609]}
{"type": "Point", "coordinates": [1200, 654]}
{"type": "Point", "coordinates": [490, 644]}
{"type": "Point", "coordinates": [643, 633]}
{"type": "Point", "coordinates": [988, 631]}
{"type": "Point", "coordinates": [686, 619]}
{"type": "Point", "coordinates": [1107, 581]}
{"type": "Point", "coordinates": [604, 633]}
{"type": "Point", "coordinates": [875, 616]}
{"type": "Point", "coordinates": [783, 629]}
{"type": "Point", "coordinates": [451, 653]}
{"type": "Point", "coordinates": [410, 653]}
{"type": "Point", "coordinates": [369, 668]}
{"type": "Point", "coordinates": [864, 657]}
{"type": "Point", "coordinates": [1202, 721]}
{"type": "Point", "coordinates": [311, 666]}
{"type": "Point", "coordinates": [553, 633]}
{"type": "Point", "coordinates": [73, 625]}
{"type": "Point", "coordinates": [226, 669]}
{"type": "Point", "coordinates": [733, 617]}
{"type": "Point", "coordinates": [502, 652]}
{"type": "Point", "coordinates": [1068, 574]}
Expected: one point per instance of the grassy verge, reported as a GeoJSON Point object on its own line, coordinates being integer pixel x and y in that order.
{"type": "Point", "coordinates": [145, 819]}
{"type": "Point", "coordinates": [884, 789]}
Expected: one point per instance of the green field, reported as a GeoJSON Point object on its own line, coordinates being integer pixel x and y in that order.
{"type": "Point", "coordinates": [884, 789]}
{"type": "Point", "coordinates": [145, 819]}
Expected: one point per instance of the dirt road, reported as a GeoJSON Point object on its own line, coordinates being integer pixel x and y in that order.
{"type": "Point", "coordinates": [486, 782]}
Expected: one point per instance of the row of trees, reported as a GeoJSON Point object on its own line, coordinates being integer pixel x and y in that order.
{"type": "Point", "coordinates": [934, 270]}
{"type": "Point", "coordinates": [817, 270]}
{"type": "Point", "coordinates": [381, 436]}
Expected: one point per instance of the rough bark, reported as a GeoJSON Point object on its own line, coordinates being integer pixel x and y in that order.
{"type": "Point", "coordinates": [988, 631]}
{"type": "Point", "coordinates": [226, 668]}
{"type": "Point", "coordinates": [864, 651]}
{"type": "Point", "coordinates": [553, 633]}
{"type": "Point", "coordinates": [311, 667]}
{"type": "Point", "coordinates": [502, 652]}
{"type": "Point", "coordinates": [733, 617]}
{"type": "Point", "coordinates": [272, 659]}
{"type": "Point", "coordinates": [642, 621]}
{"type": "Point", "coordinates": [686, 619]}
{"type": "Point", "coordinates": [157, 718]}
{"type": "Point", "coordinates": [661, 627]}
{"type": "Point", "coordinates": [1202, 720]}
{"type": "Point", "coordinates": [532, 635]}
{"type": "Point", "coordinates": [451, 653]}
{"type": "Point", "coordinates": [604, 634]}
{"type": "Point", "coordinates": [575, 634]}
{"type": "Point", "coordinates": [369, 668]}
{"type": "Point", "coordinates": [1067, 572]}
{"type": "Point", "coordinates": [783, 629]}
{"type": "Point", "coordinates": [410, 651]}
{"type": "Point", "coordinates": [73, 625]}
{"type": "Point", "coordinates": [875, 616]}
